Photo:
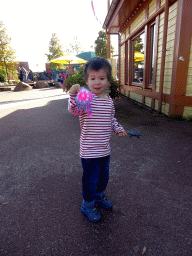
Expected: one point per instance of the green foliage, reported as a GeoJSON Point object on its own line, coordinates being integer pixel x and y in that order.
{"type": "Point", "coordinates": [7, 54]}
{"type": "Point", "coordinates": [77, 78]}
{"type": "Point", "coordinates": [101, 45]}
{"type": "Point", "coordinates": [2, 75]}
{"type": "Point", "coordinates": [55, 51]}
{"type": "Point", "coordinates": [114, 88]}
{"type": "Point", "coordinates": [138, 44]}
{"type": "Point", "coordinates": [13, 76]}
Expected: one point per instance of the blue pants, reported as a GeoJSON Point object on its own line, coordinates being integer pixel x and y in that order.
{"type": "Point", "coordinates": [95, 176]}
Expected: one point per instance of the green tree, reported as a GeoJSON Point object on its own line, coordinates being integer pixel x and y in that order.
{"type": "Point", "coordinates": [101, 45]}
{"type": "Point", "coordinates": [55, 51]}
{"type": "Point", "coordinates": [74, 47]}
{"type": "Point", "coordinates": [77, 78]}
{"type": "Point", "coordinates": [7, 54]}
{"type": "Point", "coordinates": [138, 44]}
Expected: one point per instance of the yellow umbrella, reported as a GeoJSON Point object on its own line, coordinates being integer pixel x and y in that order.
{"type": "Point", "coordinates": [68, 59]}
{"type": "Point", "coordinates": [138, 56]}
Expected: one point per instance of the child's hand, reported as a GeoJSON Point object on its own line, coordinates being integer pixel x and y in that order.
{"type": "Point", "coordinates": [74, 89]}
{"type": "Point", "coordinates": [122, 134]}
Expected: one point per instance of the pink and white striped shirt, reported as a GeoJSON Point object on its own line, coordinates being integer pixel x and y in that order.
{"type": "Point", "coordinates": [96, 129]}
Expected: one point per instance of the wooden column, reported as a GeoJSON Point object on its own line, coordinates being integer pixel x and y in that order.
{"type": "Point", "coordinates": [183, 37]}
{"type": "Point", "coordinates": [108, 46]}
{"type": "Point", "coordinates": [119, 57]}
{"type": "Point", "coordinates": [166, 15]}
{"type": "Point", "coordinates": [108, 39]}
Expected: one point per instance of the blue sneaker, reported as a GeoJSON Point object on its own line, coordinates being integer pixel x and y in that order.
{"type": "Point", "coordinates": [104, 202]}
{"type": "Point", "coordinates": [91, 212]}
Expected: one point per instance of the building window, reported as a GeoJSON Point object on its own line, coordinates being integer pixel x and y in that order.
{"type": "Point", "coordinates": [152, 52]}
{"type": "Point", "coordinates": [138, 58]}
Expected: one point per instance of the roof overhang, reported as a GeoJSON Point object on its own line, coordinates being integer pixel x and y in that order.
{"type": "Point", "coordinates": [120, 12]}
{"type": "Point", "coordinates": [111, 23]}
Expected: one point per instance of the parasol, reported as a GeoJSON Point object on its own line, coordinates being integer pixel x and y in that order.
{"type": "Point", "coordinates": [68, 59]}
{"type": "Point", "coordinates": [138, 56]}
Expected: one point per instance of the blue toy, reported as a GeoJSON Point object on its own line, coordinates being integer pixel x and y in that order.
{"type": "Point", "coordinates": [136, 134]}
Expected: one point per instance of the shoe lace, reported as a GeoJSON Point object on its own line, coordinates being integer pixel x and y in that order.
{"type": "Point", "coordinates": [104, 198]}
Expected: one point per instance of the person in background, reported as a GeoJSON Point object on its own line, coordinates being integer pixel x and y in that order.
{"type": "Point", "coordinates": [25, 73]}
{"type": "Point", "coordinates": [63, 76]}
{"type": "Point", "coordinates": [30, 75]}
{"type": "Point", "coordinates": [49, 75]}
{"type": "Point", "coordinates": [57, 77]}
{"type": "Point", "coordinates": [20, 74]}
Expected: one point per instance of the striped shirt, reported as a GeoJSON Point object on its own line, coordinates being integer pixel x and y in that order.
{"type": "Point", "coordinates": [96, 129]}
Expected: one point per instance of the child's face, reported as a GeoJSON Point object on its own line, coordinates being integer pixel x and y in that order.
{"type": "Point", "coordinates": [97, 82]}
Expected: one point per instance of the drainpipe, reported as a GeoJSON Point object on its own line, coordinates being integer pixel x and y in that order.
{"type": "Point", "coordinates": [163, 55]}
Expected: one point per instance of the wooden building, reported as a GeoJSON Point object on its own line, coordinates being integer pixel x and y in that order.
{"type": "Point", "coordinates": [155, 52]}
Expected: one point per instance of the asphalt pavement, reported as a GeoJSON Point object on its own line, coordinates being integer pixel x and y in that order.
{"type": "Point", "coordinates": [40, 182]}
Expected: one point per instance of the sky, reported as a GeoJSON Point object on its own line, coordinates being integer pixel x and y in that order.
{"type": "Point", "coordinates": [30, 25]}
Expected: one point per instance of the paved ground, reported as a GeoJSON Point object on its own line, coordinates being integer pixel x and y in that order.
{"type": "Point", "coordinates": [40, 182]}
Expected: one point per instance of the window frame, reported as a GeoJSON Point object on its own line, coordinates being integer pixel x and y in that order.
{"type": "Point", "coordinates": [131, 63]}
{"type": "Point", "coordinates": [147, 62]}
{"type": "Point", "coordinates": [152, 45]}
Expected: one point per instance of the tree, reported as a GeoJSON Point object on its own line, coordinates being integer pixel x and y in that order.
{"type": "Point", "coordinates": [74, 47]}
{"type": "Point", "coordinates": [138, 44]}
{"type": "Point", "coordinates": [55, 51]}
{"type": "Point", "coordinates": [101, 45]}
{"type": "Point", "coordinates": [7, 54]}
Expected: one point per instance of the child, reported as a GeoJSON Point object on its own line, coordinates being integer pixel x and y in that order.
{"type": "Point", "coordinates": [95, 135]}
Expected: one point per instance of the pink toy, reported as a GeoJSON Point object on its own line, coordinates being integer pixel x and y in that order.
{"type": "Point", "coordinates": [83, 100]}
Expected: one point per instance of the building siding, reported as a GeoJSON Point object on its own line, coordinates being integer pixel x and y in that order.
{"type": "Point", "coordinates": [123, 36]}
{"type": "Point", "coordinates": [165, 108]}
{"type": "Point", "coordinates": [137, 22]}
{"type": "Point", "coordinates": [148, 101]}
{"type": "Point", "coordinates": [136, 97]}
{"type": "Point", "coordinates": [152, 7]}
{"type": "Point", "coordinates": [187, 112]}
{"type": "Point", "coordinates": [170, 48]}
{"type": "Point", "coordinates": [189, 77]}
{"type": "Point", "coordinates": [159, 53]}
{"type": "Point", "coordinates": [162, 2]}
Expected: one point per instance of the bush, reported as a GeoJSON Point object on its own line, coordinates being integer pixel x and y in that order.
{"type": "Point", "coordinates": [2, 75]}
{"type": "Point", "coordinates": [114, 88]}
{"type": "Point", "coordinates": [77, 78]}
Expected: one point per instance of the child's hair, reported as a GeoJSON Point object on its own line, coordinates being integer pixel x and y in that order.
{"type": "Point", "coordinates": [96, 64]}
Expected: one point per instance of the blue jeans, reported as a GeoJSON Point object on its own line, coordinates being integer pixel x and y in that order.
{"type": "Point", "coordinates": [95, 176]}
{"type": "Point", "coordinates": [60, 80]}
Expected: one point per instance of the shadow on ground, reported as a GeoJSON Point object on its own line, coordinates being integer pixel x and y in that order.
{"type": "Point", "coordinates": [40, 192]}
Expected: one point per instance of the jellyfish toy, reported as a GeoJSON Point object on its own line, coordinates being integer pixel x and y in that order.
{"type": "Point", "coordinates": [83, 100]}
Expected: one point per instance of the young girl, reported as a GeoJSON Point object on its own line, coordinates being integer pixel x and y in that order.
{"type": "Point", "coordinates": [96, 131]}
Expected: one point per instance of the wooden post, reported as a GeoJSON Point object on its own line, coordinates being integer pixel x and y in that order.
{"type": "Point", "coordinates": [166, 15]}
{"type": "Point", "coordinates": [119, 58]}
{"type": "Point", "coordinates": [181, 58]}
{"type": "Point", "coordinates": [108, 39]}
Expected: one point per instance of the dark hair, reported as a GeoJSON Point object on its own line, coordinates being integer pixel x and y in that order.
{"type": "Point", "coordinates": [96, 64]}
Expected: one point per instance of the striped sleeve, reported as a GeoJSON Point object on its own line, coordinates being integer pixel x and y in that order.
{"type": "Point", "coordinates": [116, 127]}
{"type": "Point", "coordinates": [72, 106]}
{"type": "Point", "coordinates": [72, 103]}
